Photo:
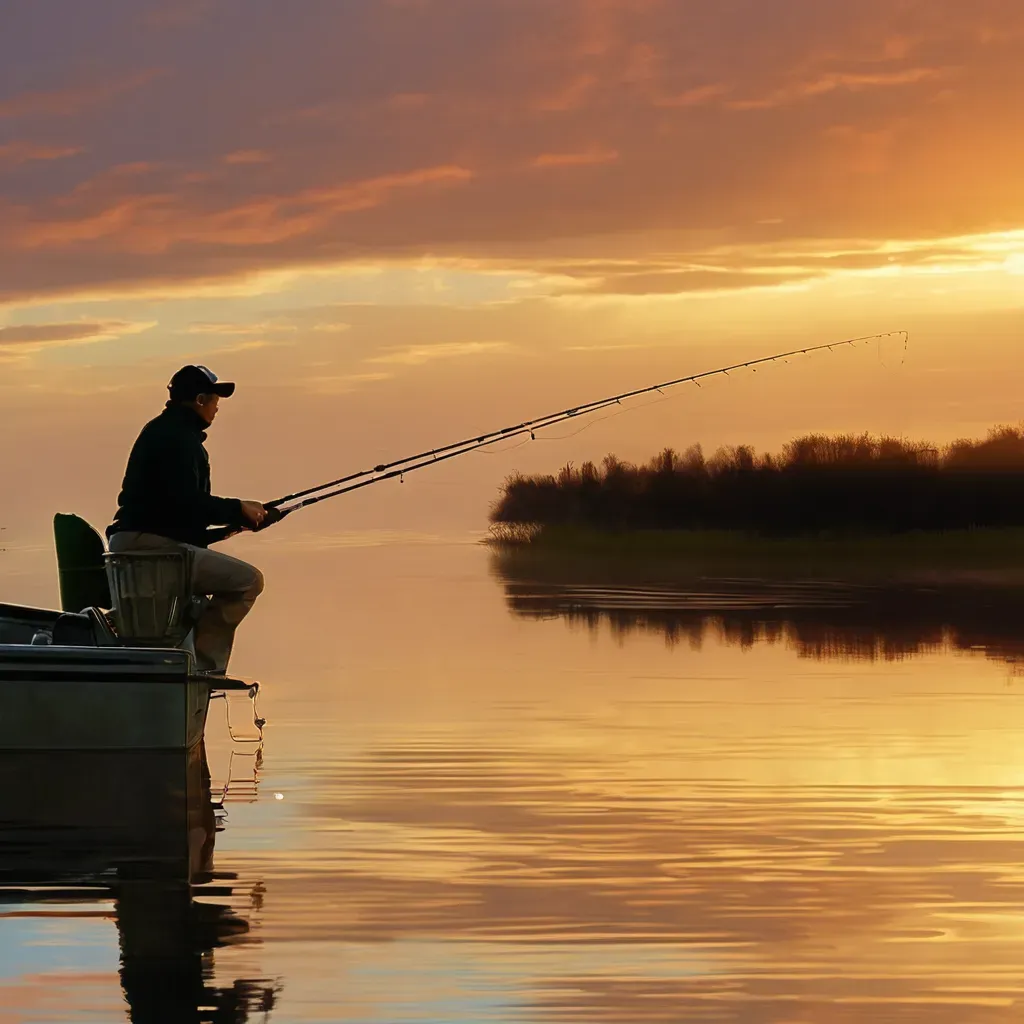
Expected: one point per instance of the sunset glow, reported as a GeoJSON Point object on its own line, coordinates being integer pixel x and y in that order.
{"type": "Point", "coordinates": [678, 676]}
{"type": "Point", "coordinates": [379, 203]}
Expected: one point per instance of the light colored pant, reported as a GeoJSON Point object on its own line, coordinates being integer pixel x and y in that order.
{"type": "Point", "coordinates": [232, 585]}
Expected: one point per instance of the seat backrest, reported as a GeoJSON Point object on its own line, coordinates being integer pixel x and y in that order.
{"type": "Point", "coordinates": [80, 572]}
{"type": "Point", "coordinates": [152, 593]}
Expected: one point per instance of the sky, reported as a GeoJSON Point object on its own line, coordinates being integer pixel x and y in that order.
{"type": "Point", "coordinates": [398, 222]}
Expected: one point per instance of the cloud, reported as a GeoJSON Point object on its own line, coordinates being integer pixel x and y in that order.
{"type": "Point", "coordinates": [698, 96]}
{"type": "Point", "coordinates": [34, 337]}
{"type": "Point", "coordinates": [833, 81]}
{"type": "Point", "coordinates": [387, 132]}
{"type": "Point", "coordinates": [72, 99]}
{"type": "Point", "coordinates": [232, 348]}
{"type": "Point", "coordinates": [15, 153]}
{"type": "Point", "coordinates": [676, 282]}
{"type": "Point", "coordinates": [326, 327]}
{"type": "Point", "coordinates": [248, 156]}
{"type": "Point", "coordinates": [224, 328]}
{"type": "Point", "coordinates": [119, 208]}
{"type": "Point", "coordinates": [585, 158]}
{"type": "Point", "coordinates": [771, 265]}
{"type": "Point", "coordinates": [570, 96]}
{"type": "Point", "coordinates": [241, 329]}
{"type": "Point", "coordinates": [417, 355]}
{"type": "Point", "coordinates": [340, 384]}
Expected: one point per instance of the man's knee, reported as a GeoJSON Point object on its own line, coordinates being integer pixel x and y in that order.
{"type": "Point", "coordinates": [223, 575]}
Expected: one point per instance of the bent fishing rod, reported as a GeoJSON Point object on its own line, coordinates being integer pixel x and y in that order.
{"type": "Point", "coordinates": [284, 506]}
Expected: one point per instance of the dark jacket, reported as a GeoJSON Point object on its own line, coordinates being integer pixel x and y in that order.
{"type": "Point", "coordinates": [166, 487]}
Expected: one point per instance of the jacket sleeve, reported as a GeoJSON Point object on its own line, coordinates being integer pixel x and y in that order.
{"type": "Point", "coordinates": [216, 534]}
{"type": "Point", "coordinates": [225, 511]}
{"type": "Point", "coordinates": [181, 471]}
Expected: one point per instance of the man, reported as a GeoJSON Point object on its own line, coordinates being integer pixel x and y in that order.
{"type": "Point", "coordinates": [166, 504]}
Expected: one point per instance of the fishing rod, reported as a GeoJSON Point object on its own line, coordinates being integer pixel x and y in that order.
{"type": "Point", "coordinates": [398, 468]}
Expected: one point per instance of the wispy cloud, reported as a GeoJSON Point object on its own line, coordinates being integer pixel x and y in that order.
{"type": "Point", "coordinates": [234, 347]}
{"type": "Point", "coordinates": [776, 265]}
{"type": "Point", "coordinates": [223, 328]}
{"type": "Point", "coordinates": [340, 384]}
{"type": "Point", "coordinates": [569, 96]}
{"type": "Point", "coordinates": [72, 99]}
{"type": "Point", "coordinates": [248, 156]}
{"type": "Point", "coordinates": [584, 158]}
{"type": "Point", "coordinates": [158, 217]}
{"type": "Point", "coordinates": [19, 152]}
{"type": "Point", "coordinates": [698, 96]}
{"type": "Point", "coordinates": [33, 337]}
{"type": "Point", "coordinates": [241, 329]}
{"type": "Point", "coordinates": [417, 355]}
{"type": "Point", "coordinates": [835, 81]}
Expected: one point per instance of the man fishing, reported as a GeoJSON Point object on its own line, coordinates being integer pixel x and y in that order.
{"type": "Point", "coordinates": [166, 505]}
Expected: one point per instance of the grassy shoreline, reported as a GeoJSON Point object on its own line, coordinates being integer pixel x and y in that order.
{"type": "Point", "coordinates": [996, 550]}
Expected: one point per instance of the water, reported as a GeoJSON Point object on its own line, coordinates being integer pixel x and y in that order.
{"type": "Point", "coordinates": [493, 793]}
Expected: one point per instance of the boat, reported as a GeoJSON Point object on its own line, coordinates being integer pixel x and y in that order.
{"type": "Point", "coordinates": [115, 668]}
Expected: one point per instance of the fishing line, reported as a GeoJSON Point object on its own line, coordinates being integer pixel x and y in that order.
{"type": "Point", "coordinates": [510, 448]}
{"type": "Point", "coordinates": [903, 355]}
{"type": "Point", "coordinates": [622, 412]}
{"type": "Point", "coordinates": [528, 429]}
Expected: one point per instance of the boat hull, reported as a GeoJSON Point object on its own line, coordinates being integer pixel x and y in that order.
{"type": "Point", "coordinates": [82, 698]}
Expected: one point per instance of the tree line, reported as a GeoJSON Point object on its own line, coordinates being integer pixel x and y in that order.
{"type": "Point", "coordinates": [817, 484]}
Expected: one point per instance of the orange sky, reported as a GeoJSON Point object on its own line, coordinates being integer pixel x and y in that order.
{"type": "Point", "coordinates": [395, 222]}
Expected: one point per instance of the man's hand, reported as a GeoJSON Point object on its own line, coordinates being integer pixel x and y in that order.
{"type": "Point", "coordinates": [254, 513]}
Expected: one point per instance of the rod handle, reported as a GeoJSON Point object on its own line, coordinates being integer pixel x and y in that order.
{"type": "Point", "coordinates": [274, 515]}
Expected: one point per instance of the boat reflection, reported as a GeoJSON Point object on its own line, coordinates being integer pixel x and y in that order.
{"type": "Point", "coordinates": [817, 619]}
{"type": "Point", "coordinates": [138, 830]}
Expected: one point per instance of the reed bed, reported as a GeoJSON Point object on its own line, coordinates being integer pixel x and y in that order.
{"type": "Point", "coordinates": [846, 488]}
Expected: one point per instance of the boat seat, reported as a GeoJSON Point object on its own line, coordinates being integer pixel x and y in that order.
{"type": "Point", "coordinates": [73, 629]}
{"type": "Point", "coordinates": [102, 631]}
{"type": "Point", "coordinates": [89, 628]}
{"type": "Point", "coordinates": [152, 596]}
{"type": "Point", "coordinates": [79, 548]}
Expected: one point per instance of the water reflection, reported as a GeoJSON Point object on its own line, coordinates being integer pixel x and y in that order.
{"type": "Point", "coordinates": [478, 815]}
{"type": "Point", "coordinates": [817, 619]}
{"type": "Point", "coordinates": [133, 833]}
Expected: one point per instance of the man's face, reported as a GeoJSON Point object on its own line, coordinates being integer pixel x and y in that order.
{"type": "Point", "coordinates": [206, 407]}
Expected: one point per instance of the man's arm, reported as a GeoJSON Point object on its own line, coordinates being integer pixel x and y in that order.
{"type": "Point", "coordinates": [221, 510]}
{"type": "Point", "coordinates": [181, 473]}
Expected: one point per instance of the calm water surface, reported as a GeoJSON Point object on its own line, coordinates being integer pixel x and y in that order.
{"type": "Point", "coordinates": [488, 793]}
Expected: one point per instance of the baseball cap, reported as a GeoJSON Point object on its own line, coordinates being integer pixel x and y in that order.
{"type": "Point", "coordinates": [191, 381]}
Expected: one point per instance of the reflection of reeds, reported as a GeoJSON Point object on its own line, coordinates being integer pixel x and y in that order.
{"type": "Point", "coordinates": [823, 641]}
{"type": "Point", "coordinates": [829, 622]}
{"type": "Point", "coordinates": [846, 484]}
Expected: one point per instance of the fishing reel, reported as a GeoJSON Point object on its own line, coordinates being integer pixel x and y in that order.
{"type": "Point", "coordinates": [274, 515]}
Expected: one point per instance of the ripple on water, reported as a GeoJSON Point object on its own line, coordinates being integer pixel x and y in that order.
{"type": "Point", "coordinates": [807, 807]}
